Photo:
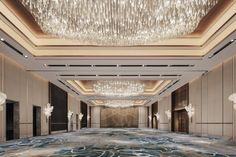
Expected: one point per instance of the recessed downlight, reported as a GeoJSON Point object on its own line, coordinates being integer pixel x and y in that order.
{"type": "Point", "coordinates": [1, 39]}
{"type": "Point", "coordinates": [25, 56]}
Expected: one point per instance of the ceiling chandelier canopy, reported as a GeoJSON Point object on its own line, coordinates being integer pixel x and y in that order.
{"type": "Point", "coordinates": [118, 22]}
{"type": "Point", "coordinates": [119, 88]}
{"type": "Point", "coordinates": [119, 103]}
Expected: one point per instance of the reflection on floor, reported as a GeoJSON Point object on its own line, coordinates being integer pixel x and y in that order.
{"type": "Point", "coordinates": [119, 142]}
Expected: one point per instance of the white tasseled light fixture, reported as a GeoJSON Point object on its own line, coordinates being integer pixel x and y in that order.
{"type": "Point", "coordinates": [48, 110]}
{"type": "Point", "coordinates": [118, 22]}
{"type": "Point", "coordinates": [190, 110]}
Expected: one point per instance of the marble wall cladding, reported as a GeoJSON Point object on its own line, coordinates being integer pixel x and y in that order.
{"type": "Point", "coordinates": [209, 95]}
{"type": "Point", "coordinates": [25, 88]}
{"type": "Point", "coordinates": [119, 117]}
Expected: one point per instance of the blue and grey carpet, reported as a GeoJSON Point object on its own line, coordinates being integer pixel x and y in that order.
{"type": "Point", "coordinates": [119, 143]}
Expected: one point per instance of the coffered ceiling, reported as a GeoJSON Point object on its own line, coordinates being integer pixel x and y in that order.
{"type": "Point", "coordinates": [162, 66]}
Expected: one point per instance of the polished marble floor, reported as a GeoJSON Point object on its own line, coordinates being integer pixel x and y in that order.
{"type": "Point", "coordinates": [119, 142]}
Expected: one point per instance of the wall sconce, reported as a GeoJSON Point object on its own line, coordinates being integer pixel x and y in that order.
{"type": "Point", "coordinates": [48, 111]}
{"type": "Point", "coordinates": [168, 114]}
{"type": "Point", "coordinates": [190, 110]}
{"type": "Point", "coordinates": [232, 98]}
{"type": "Point", "coordinates": [3, 98]}
{"type": "Point", "coordinates": [157, 116]}
{"type": "Point", "coordinates": [80, 116]}
{"type": "Point", "coordinates": [150, 117]}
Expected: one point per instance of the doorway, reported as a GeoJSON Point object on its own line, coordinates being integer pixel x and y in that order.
{"type": "Point", "coordinates": [12, 120]}
{"type": "Point", "coordinates": [181, 121]}
{"type": "Point", "coordinates": [83, 110]}
{"type": "Point", "coordinates": [77, 121]}
{"type": "Point", "coordinates": [36, 121]}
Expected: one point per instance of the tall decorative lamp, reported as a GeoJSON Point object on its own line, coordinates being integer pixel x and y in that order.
{"type": "Point", "coordinates": [48, 111]}
{"type": "Point", "coordinates": [69, 116]}
{"type": "Point", "coordinates": [157, 117]}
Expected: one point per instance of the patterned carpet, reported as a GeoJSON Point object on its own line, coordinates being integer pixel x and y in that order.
{"type": "Point", "coordinates": [119, 142]}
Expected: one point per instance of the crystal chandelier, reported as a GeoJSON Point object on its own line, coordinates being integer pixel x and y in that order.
{"type": "Point", "coordinates": [119, 103]}
{"type": "Point", "coordinates": [118, 88]}
{"type": "Point", "coordinates": [118, 22]}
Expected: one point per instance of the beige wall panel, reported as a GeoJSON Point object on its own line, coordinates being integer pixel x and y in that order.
{"type": "Point", "coordinates": [1, 89]}
{"type": "Point", "coordinates": [195, 99]}
{"type": "Point", "coordinates": [227, 90]}
{"type": "Point", "coordinates": [23, 130]}
{"type": "Point", "coordinates": [215, 129]}
{"type": "Point", "coordinates": [150, 114]}
{"type": "Point", "coordinates": [44, 124]}
{"type": "Point", "coordinates": [24, 107]}
{"type": "Point", "coordinates": [27, 89]}
{"type": "Point", "coordinates": [234, 90]}
{"type": "Point", "coordinates": [198, 129]}
{"type": "Point", "coordinates": [12, 80]}
{"type": "Point", "coordinates": [215, 92]}
{"type": "Point", "coordinates": [1, 72]}
{"type": "Point", "coordinates": [95, 116]}
{"type": "Point", "coordinates": [196, 95]}
{"type": "Point", "coordinates": [204, 99]}
{"type": "Point", "coordinates": [142, 117]}
{"type": "Point", "coordinates": [164, 105]}
{"type": "Point", "coordinates": [204, 129]}
{"type": "Point", "coordinates": [228, 130]}
{"type": "Point", "coordinates": [164, 127]}
{"type": "Point", "coordinates": [74, 106]}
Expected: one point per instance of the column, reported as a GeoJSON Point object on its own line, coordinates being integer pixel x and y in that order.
{"type": "Point", "coordinates": [95, 116]}
{"type": "Point", "coordinates": [142, 121]}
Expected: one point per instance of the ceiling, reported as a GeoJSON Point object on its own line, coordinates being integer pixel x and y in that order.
{"type": "Point", "coordinates": [73, 66]}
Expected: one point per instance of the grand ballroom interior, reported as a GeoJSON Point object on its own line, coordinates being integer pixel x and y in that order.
{"type": "Point", "coordinates": [117, 78]}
